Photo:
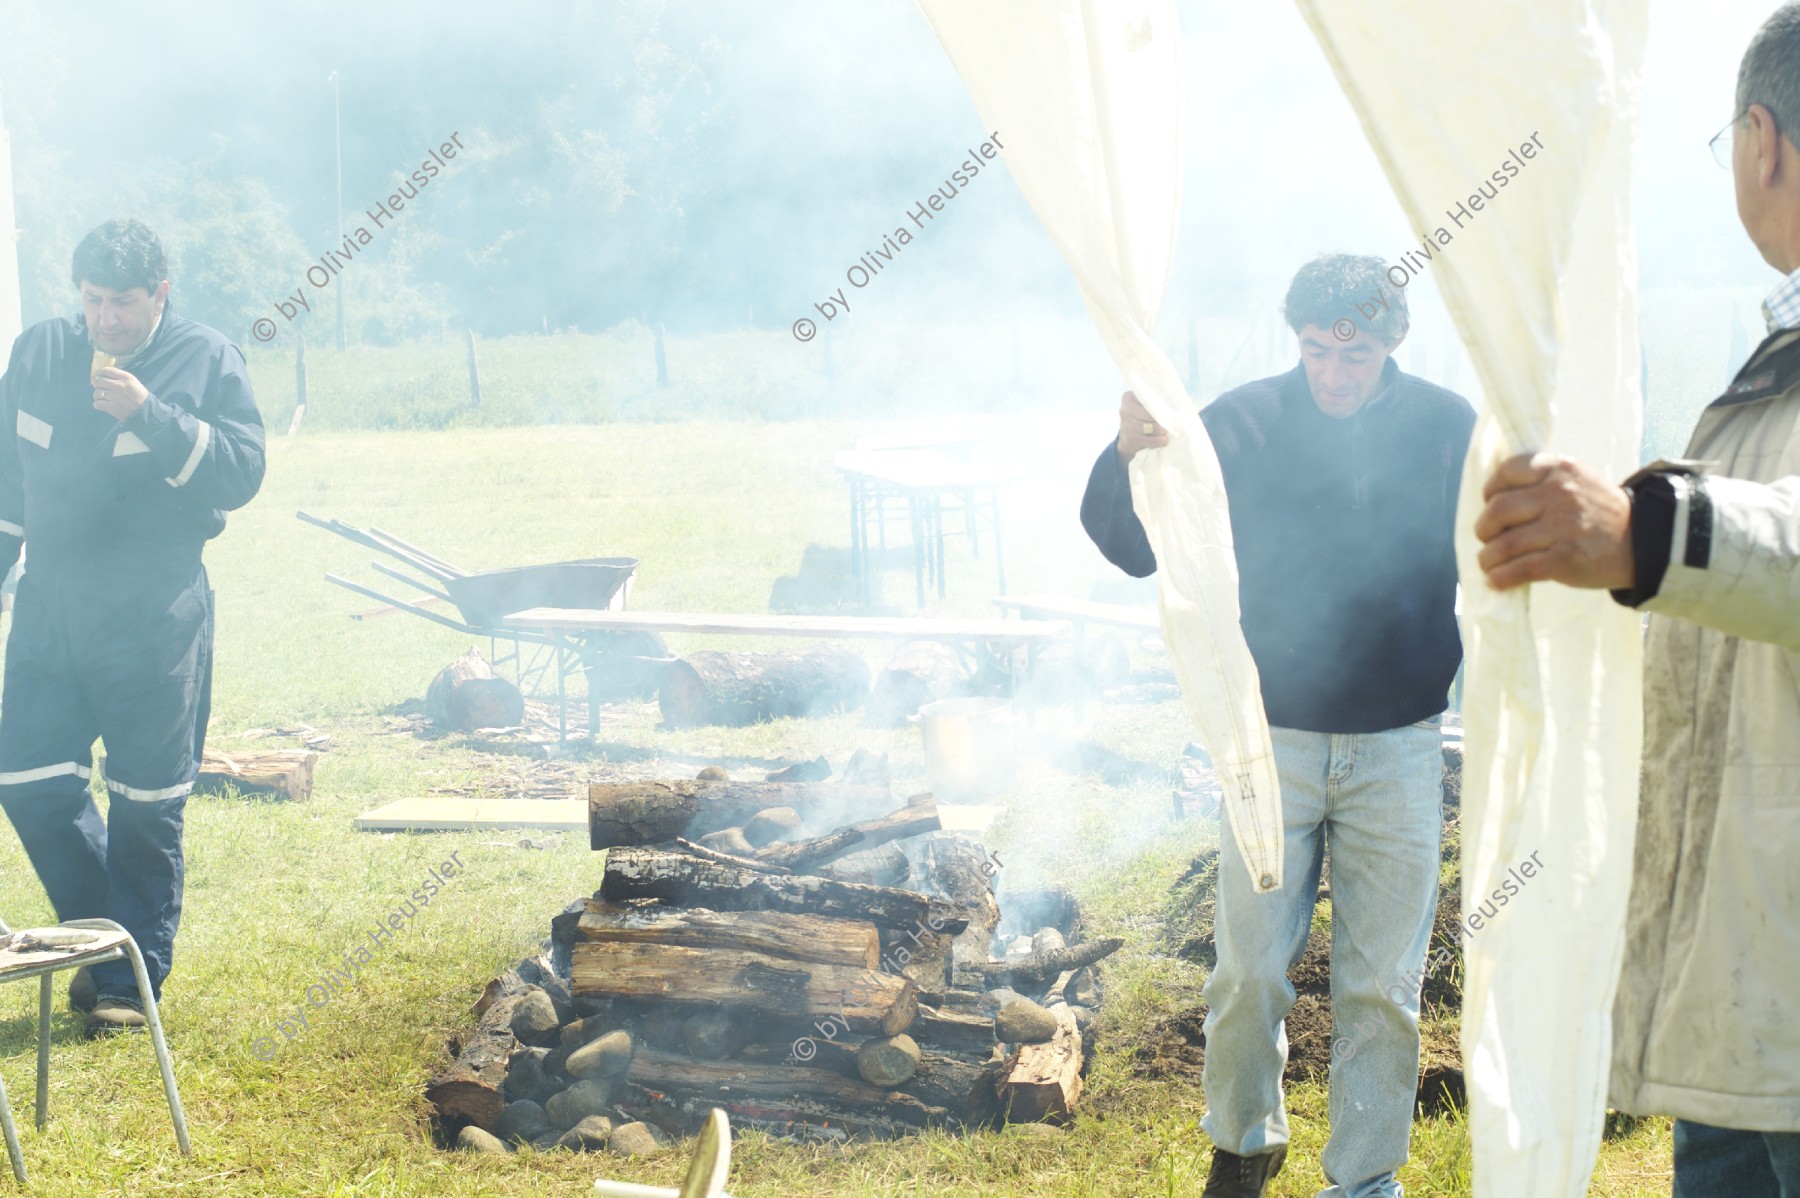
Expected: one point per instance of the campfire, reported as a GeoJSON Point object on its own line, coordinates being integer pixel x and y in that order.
{"type": "Point", "coordinates": [812, 958]}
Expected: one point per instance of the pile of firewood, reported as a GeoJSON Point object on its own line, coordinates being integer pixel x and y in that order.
{"type": "Point", "coordinates": [806, 956]}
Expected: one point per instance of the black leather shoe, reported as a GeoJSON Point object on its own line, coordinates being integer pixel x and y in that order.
{"type": "Point", "coordinates": [1234, 1176]}
{"type": "Point", "coordinates": [82, 994]}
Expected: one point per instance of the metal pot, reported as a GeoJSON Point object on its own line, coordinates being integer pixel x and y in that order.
{"type": "Point", "coordinates": [970, 752]}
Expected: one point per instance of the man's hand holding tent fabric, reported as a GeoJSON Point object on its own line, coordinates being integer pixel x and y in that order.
{"type": "Point", "coordinates": [1706, 1026]}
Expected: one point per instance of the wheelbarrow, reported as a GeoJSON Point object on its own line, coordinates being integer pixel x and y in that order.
{"type": "Point", "coordinates": [485, 598]}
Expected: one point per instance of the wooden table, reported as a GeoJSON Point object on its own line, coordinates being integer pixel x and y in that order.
{"type": "Point", "coordinates": [923, 477]}
{"type": "Point", "coordinates": [994, 638]}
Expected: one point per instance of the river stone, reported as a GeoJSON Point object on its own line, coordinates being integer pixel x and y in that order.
{"type": "Point", "coordinates": [1024, 1022]}
{"type": "Point", "coordinates": [634, 1139]}
{"type": "Point", "coordinates": [1047, 940]}
{"type": "Point", "coordinates": [1083, 989]}
{"type": "Point", "coordinates": [772, 824]}
{"type": "Point", "coordinates": [473, 1139]}
{"type": "Point", "coordinates": [714, 773]}
{"type": "Point", "coordinates": [589, 1096]}
{"type": "Point", "coordinates": [606, 1057]}
{"type": "Point", "coordinates": [522, 1120]}
{"type": "Point", "coordinates": [574, 1035]}
{"type": "Point", "coordinates": [729, 840]}
{"type": "Point", "coordinates": [534, 1019]}
{"type": "Point", "coordinates": [999, 996]}
{"type": "Point", "coordinates": [590, 1135]}
{"type": "Point", "coordinates": [526, 1078]}
{"type": "Point", "coordinates": [887, 1061]}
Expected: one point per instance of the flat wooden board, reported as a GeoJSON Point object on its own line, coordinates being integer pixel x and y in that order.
{"type": "Point", "coordinates": [448, 814]}
{"type": "Point", "coordinates": [1086, 611]}
{"type": "Point", "coordinates": [921, 628]}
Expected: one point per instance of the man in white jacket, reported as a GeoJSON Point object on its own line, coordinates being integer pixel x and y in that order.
{"type": "Point", "coordinates": [1707, 1021]}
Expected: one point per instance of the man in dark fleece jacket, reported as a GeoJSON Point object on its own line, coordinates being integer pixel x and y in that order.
{"type": "Point", "coordinates": [1342, 477]}
{"type": "Point", "coordinates": [126, 433]}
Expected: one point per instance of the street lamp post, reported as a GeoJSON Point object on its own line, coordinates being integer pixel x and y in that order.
{"type": "Point", "coordinates": [337, 114]}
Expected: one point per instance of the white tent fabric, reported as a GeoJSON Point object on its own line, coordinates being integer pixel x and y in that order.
{"type": "Point", "coordinates": [1541, 282]}
{"type": "Point", "coordinates": [1086, 95]}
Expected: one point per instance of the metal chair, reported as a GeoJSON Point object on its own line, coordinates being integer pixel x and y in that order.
{"type": "Point", "coordinates": [43, 952]}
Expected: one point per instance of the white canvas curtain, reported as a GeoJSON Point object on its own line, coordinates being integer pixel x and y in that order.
{"type": "Point", "coordinates": [1086, 97]}
{"type": "Point", "coordinates": [1540, 281]}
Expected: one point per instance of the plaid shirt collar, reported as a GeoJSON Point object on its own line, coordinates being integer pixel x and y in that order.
{"type": "Point", "coordinates": [1782, 308]}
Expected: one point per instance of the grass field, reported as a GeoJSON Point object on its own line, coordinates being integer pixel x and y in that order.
{"type": "Point", "coordinates": [275, 892]}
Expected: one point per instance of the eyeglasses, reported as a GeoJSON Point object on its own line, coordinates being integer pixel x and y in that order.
{"type": "Point", "coordinates": [1720, 145]}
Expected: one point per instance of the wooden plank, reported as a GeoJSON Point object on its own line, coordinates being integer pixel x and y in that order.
{"type": "Point", "coordinates": [796, 937]}
{"type": "Point", "coordinates": [866, 1000]}
{"type": "Point", "coordinates": [1120, 615]}
{"type": "Point", "coordinates": [475, 815]}
{"type": "Point", "coordinates": [1000, 631]}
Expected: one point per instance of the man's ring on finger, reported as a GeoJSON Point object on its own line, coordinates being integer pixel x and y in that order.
{"type": "Point", "coordinates": [1149, 429]}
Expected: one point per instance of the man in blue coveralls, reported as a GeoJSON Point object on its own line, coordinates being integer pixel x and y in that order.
{"type": "Point", "coordinates": [126, 434]}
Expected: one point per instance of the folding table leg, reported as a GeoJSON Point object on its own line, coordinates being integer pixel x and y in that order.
{"type": "Point", "coordinates": [12, 1138]}
{"type": "Point", "coordinates": [43, 1073]}
{"type": "Point", "coordinates": [148, 996]}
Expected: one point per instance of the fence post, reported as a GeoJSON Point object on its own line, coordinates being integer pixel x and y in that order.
{"type": "Point", "coordinates": [299, 383]}
{"type": "Point", "coordinates": [474, 374]}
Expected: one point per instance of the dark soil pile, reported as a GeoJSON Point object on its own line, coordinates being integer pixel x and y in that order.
{"type": "Point", "coordinates": [1176, 1046]}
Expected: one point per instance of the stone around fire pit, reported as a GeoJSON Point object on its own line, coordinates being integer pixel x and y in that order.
{"type": "Point", "coordinates": [589, 1096]}
{"type": "Point", "coordinates": [772, 824]}
{"type": "Point", "coordinates": [523, 1120]}
{"type": "Point", "coordinates": [609, 1056]}
{"type": "Point", "coordinates": [636, 1139]}
{"type": "Point", "coordinates": [1024, 1022]}
{"type": "Point", "coordinates": [473, 1139]}
{"type": "Point", "coordinates": [590, 1135]}
{"type": "Point", "coordinates": [534, 1019]}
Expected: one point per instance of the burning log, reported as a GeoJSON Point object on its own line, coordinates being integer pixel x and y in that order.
{"type": "Point", "coordinates": [1039, 967]}
{"type": "Point", "coordinates": [796, 937]}
{"type": "Point", "coordinates": [679, 879]}
{"type": "Point", "coordinates": [780, 987]}
{"type": "Point", "coordinates": [706, 854]}
{"type": "Point", "coordinates": [958, 868]}
{"type": "Point", "coordinates": [468, 1090]}
{"type": "Point", "coordinates": [781, 1087]}
{"type": "Point", "coordinates": [710, 687]}
{"type": "Point", "coordinates": [633, 813]}
{"type": "Point", "coordinates": [284, 772]}
{"type": "Point", "coordinates": [468, 694]}
{"type": "Point", "coordinates": [918, 673]}
{"type": "Point", "coordinates": [884, 866]}
{"type": "Point", "coordinates": [920, 815]}
{"type": "Point", "coordinates": [1043, 1081]}
{"type": "Point", "coordinates": [952, 1030]}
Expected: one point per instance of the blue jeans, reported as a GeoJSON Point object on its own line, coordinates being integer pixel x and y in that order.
{"type": "Point", "coordinates": [1377, 799]}
{"type": "Point", "coordinates": [1721, 1162]}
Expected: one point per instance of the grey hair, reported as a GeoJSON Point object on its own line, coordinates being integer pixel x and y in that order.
{"type": "Point", "coordinates": [1770, 73]}
{"type": "Point", "coordinates": [1330, 287]}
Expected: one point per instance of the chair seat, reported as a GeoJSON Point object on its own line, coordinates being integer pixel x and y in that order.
{"type": "Point", "coordinates": [93, 944]}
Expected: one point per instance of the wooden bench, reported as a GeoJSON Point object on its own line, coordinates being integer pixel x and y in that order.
{"type": "Point", "coordinates": [994, 638]}
{"type": "Point", "coordinates": [1078, 613]}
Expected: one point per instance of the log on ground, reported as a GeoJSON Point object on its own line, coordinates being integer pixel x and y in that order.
{"type": "Point", "coordinates": [711, 687]}
{"type": "Point", "coordinates": [1043, 1081]}
{"type": "Point", "coordinates": [468, 694]}
{"type": "Point", "coordinates": [775, 1085]}
{"type": "Point", "coordinates": [865, 999]}
{"type": "Point", "coordinates": [634, 813]}
{"type": "Point", "coordinates": [467, 1091]}
{"type": "Point", "coordinates": [854, 943]}
{"type": "Point", "coordinates": [633, 873]}
{"type": "Point", "coordinates": [920, 672]}
{"type": "Point", "coordinates": [284, 772]}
